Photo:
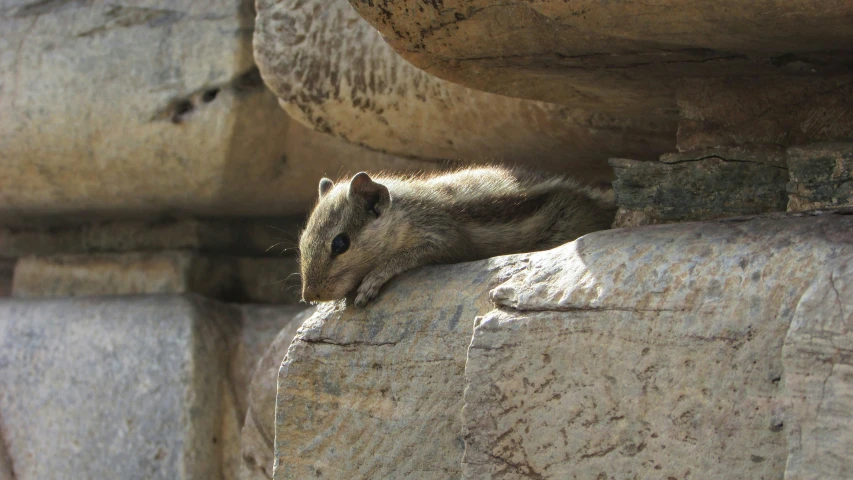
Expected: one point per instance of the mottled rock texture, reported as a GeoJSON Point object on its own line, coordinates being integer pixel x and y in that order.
{"type": "Point", "coordinates": [821, 176]}
{"type": "Point", "coordinates": [702, 185]}
{"type": "Point", "coordinates": [624, 57]}
{"type": "Point", "coordinates": [113, 110]}
{"type": "Point", "coordinates": [333, 71]}
{"type": "Point", "coordinates": [258, 435]}
{"type": "Point", "coordinates": [648, 353]}
{"type": "Point", "coordinates": [134, 387]}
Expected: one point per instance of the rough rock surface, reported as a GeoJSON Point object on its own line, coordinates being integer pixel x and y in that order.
{"type": "Point", "coordinates": [258, 434]}
{"type": "Point", "coordinates": [623, 354]}
{"type": "Point", "coordinates": [377, 393]}
{"type": "Point", "coordinates": [333, 71]}
{"type": "Point", "coordinates": [818, 364]}
{"type": "Point", "coordinates": [639, 352]}
{"type": "Point", "coordinates": [623, 57]}
{"type": "Point", "coordinates": [703, 185]}
{"type": "Point", "coordinates": [114, 388]}
{"type": "Point", "coordinates": [169, 116]}
{"type": "Point", "coordinates": [821, 176]}
{"type": "Point", "coordinates": [267, 280]}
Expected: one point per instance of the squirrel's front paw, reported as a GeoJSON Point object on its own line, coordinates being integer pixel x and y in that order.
{"type": "Point", "coordinates": [367, 291]}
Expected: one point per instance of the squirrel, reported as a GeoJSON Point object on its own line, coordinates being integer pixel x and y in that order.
{"type": "Point", "coordinates": [363, 231]}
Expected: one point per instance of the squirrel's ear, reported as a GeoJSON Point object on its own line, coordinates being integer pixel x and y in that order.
{"type": "Point", "coordinates": [325, 186]}
{"type": "Point", "coordinates": [374, 195]}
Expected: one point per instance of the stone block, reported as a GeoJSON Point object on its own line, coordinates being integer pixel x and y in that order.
{"type": "Point", "coordinates": [703, 185]}
{"type": "Point", "coordinates": [229, 236]}
{"type": "Point", "coordinates": [821, 176]}
{"type": "Point", "coordinates": [135, 387]}
{"type": "Point", "coordinates": [114, 110]}
{"type": "Point", "coordinates": [269, 280]}
{"type": "Point", "coordinates": [113, 274]}
{"type": "Point", "coordinates": [334, 72]}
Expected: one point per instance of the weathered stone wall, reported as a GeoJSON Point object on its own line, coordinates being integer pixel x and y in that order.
{"type": "Point", "coordinates": [129, 387]}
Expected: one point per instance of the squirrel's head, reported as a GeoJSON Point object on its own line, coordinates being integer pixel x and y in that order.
{"type": "Point", "coordinates": [343, 238]}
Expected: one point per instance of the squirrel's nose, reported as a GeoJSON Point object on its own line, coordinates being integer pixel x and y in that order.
{"type": "Point", "coordinates": [310, 294]}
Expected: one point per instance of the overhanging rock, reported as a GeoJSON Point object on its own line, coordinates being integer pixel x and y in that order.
{"type": "Point", "coordinates": [334, 72]}
{"type": "Point", "coordinates": [649, 352]}
{"type": "Point", "coordinates": [613, 56]}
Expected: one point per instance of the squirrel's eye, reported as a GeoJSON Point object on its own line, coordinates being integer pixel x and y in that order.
{"type": "Point", "coordinates": [340, 244]}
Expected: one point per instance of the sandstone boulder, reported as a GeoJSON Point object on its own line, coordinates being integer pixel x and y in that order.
{"type": "Point", "coordinates": [332, 71]}
{"type": "Point", "coordinates": [651, 352]}
{"type": "Point", "coordinates": [113, 110]}
{"type": "Point", "coordinates": [621, 57]}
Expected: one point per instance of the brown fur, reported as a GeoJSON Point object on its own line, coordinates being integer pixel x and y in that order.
{"type": "Point", "coordinates": [398, 223]}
